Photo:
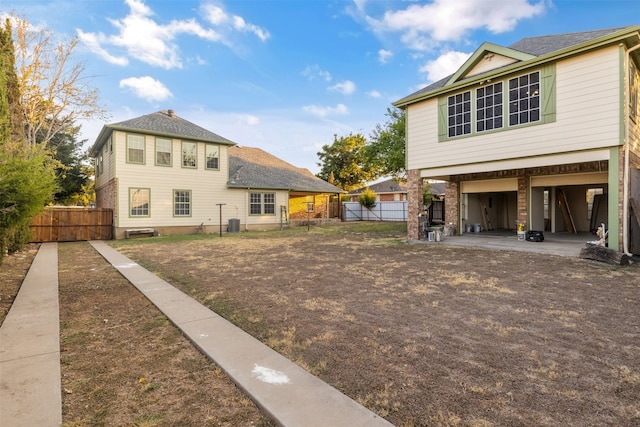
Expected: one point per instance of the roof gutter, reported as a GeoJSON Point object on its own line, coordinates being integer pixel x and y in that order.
{"type": "Point", "coordinates": [627, 143]}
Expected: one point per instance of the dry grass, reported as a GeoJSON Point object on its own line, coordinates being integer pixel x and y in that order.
{"type": "Point", "coordinates": [424, 335]}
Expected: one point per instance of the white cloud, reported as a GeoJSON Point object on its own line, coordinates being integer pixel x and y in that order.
{"type": "Point", "coordinates": [346, 87]}
{"type": "Point", "coordinates": [93, 42]}
{"type": "Point", "coordinates": [141, 37]}
{"type": "Point", "coordinates": [314, 71]}
{"type": "Point", "coordinates": [217, 16]}
{"type": "Point", "coordinates": [146, 88]}
{"type": "Point", "coordinates": [240, 25]}
{"type": "Point", "coordinates": [423, 25]}
{"type": "Point", "coordinates": [248, 119]}
{"type": "Point", "coordinates": [384, 55]}
{"type": "Point", "coordinates": [444, 65]}
{"type": "Point", "coordinates": [326, 111]}
{"type": "Point", "coordinates": [374, 94]}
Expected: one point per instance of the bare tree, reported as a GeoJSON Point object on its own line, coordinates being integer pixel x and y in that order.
{"type": "Point", "coordinates": [54, 90]}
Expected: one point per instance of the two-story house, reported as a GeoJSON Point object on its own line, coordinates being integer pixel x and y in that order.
{"type": "Point", "coordinates": [162, 172]}
{"type": "Point", "coordinates": [544, 133]}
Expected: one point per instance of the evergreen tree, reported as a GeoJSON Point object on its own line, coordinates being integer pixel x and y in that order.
{"type": "Point", "coordinates": [72, 170]}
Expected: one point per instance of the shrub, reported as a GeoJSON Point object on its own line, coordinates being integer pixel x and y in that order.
{"type": "Point", "coordinates": [27, 184]}
{"type": "Point", "coordinates": [367, 198]}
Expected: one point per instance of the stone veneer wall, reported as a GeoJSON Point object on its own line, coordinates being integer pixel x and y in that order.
{"type": "Point", "coordinates": [414, 203]}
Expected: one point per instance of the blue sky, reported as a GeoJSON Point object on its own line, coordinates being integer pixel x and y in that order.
{"type": "Point", "coordinates": [286, 75]}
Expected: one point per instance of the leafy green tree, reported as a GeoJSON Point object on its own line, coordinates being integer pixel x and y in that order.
{"type": "Point", "coordinates": [346, 160]}
{"type": "Point", "coordinates": [387, 145]}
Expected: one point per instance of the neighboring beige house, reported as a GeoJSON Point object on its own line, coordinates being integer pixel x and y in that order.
{"type": "Point", "coordinates": [161, 172]}
{"type": "Point", "coordinates": [545, 132]}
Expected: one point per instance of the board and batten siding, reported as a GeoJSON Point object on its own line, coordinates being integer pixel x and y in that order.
{"type": "Point", "coordinates": [208, 187]}
{"type": "Point", "coordinates": [587, 118]}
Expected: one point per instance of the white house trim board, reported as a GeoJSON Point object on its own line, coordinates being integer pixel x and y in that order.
{"type": "Point", "coordinates": [530, 162]}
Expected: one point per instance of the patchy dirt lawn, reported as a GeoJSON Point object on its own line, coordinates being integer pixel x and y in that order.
{"type": "Point", "coordinates": [425, 334]}
{"type": "Point", "coordinates": [124, 364]}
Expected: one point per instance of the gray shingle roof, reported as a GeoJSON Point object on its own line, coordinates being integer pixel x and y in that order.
{"type": "Point", "coordinates": [536, 46]}
{"type": "Point", "coordinates": [384, 187]}
{"type": "Point", "coordinates": [254, 168]}
{"type": "Point", "coordinates": [167, 123]}
{"type": "Point", "coordinates": [546, 44]}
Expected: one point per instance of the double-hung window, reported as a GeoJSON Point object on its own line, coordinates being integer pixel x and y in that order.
{"type": "Point", "coordinates": [212, 154]}
{"type": "Point", "coordinates": [459, 114]}
{"type": "Point", "coordinates": [139, 202]}
{"type": "Point", "coordinates": [163, 152]}
{"type": "Point", "coordinates": [524, 99]}
{"type": "Point", "coordinates": [489, 102]}
{"type": "Point", "coordinates": [189, 154]}
{"type": "Point", "coordinates": [181, 202]}
{"type": "Point", "coordinates": [135, 149]}
{"type": "Point", "coordinates": [262, 203]}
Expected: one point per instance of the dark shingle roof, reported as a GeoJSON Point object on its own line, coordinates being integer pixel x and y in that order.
{"type": "Point", "coordinates": [384, 187]}
{"type": "Point", "coordinates": [535, 46]}
{"type": "Point", "coordinates": [167, 123]}
{"type": "Point", "coordinates": [254, 168]}
{"type": "Point", "coordinates": [546, 44]}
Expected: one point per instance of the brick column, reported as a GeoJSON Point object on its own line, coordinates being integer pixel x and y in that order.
{"type": "Point", "coordinates": [522, 200]}
{"type": "Point", "coordinates": [451, 205]}
{"type": "Point", "coordinates": [414, 203]}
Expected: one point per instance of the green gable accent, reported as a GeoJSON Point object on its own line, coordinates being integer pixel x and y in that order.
{"type": "Point", "coordinates": [548, 77]}
{"type": "Point", "coordinates": [479, 55]}
{"type": "Point", "coordinates": [442, 119]}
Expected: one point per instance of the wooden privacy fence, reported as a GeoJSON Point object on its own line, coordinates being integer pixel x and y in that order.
{"type": "Point", "coordinates": [72, 224]}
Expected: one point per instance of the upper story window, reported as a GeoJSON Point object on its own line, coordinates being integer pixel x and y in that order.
{"type": "Point", "coordinates": [212, 154]}
{"type": "Point", "coordinates": [489, 112]}
{"type": "Point", "coordinates": [100, 164]}
{"type": "Point", "coordinates": [459, 114]}
{"type": "Point", "coordinates": [163, 152]}
{"type": "Point", "coordinates": [506, 103]}
{"type": "Point", "coordinates": [135, 149]}
{"type": "Point", "coordinates": [524, 99]}
{"type": "Point", "coordinates": [189, 154]}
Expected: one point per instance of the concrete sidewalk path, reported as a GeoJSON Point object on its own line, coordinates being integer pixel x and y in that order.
{"type": "Point", "coordinates": [283, 390]}
{"type": "Point", "coordinates": [30, 384]}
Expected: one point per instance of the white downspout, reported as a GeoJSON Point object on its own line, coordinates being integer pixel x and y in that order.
{"type": "Point", "coordinates": [627, 143]}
